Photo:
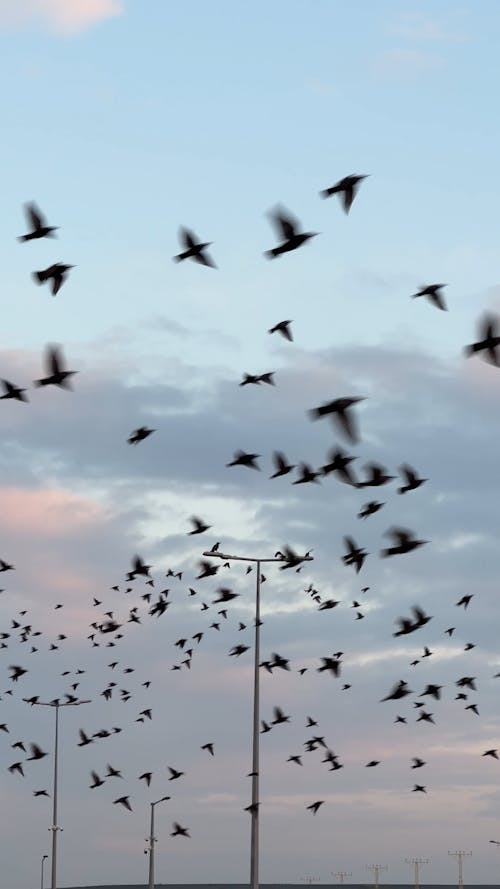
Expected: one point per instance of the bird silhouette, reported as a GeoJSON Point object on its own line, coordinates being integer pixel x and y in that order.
{"type": "Point", "coordinates": [179, 831]}
{"type": "Point", "coordinates": [12, 391]}
{"type": "Point", "coordinates": [412, 481]}
{"type": "Point", "coordinates": [315, 806]}
{"type": "Point", "coordinates": [339, 409]}
{"type": "Point", "coordinates": [193, 250]}
{"type": "Point", "coordinates": [57, 273]}
{"type": "Point", "coordinates": [400, 690]}
{"type": "Point", "coordinates": [39, 227]}
{"type": "Point", "coordinates": [369, 509]}
{"type": "Point", "coordinates": [56, 375]}
{"type": "Point", "coordinates": [281, 464]}
{"type": "Point", "coordinates": [283, 327]}
{"type": "Point", "coordinates": [287, 227]}
{"type": "Point", "coordinates": [431, 291]}
{"type": "Point", "coordinates": [346, 189]}
{"type": "Point", "coordinates": [123, 801]}
{"type": "Point", "coordinates": [489, 340]}
{"type": "Point", "coordinates": [404, 542]}
{"type": "Point", "coordinates": [199, 526]}
{"type": "Point", "coordinates": [140, 434]}
{"type": "Point", "coordinates": [241, 458]}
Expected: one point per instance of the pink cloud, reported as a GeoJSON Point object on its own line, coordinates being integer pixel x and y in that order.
{"type": "Point", "coordinates": [48, 511]}
{"type": "Point", "coordinates": [62, 16]}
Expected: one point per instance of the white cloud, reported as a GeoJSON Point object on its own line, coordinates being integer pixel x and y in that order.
{"type": "Point", "coordinates": [61, 16]}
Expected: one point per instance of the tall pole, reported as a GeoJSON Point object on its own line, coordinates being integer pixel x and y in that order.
{"type": "Point", "coordinates": [254, 809]}
{"type": "Point", "coordinates": [459, 854]}
{"type": "Point", "coordinates": [341, 874]}
{"type": "Point", "coordinates": [41, 878]}
{"type": "Point", "coordinates": [416, 862]}
{"type": "Point", "coordinates": [376, 868]}
{"type": "Point", "coordinates": [56, 704]}
{"type": "Point", "coordinates": [151, 840]}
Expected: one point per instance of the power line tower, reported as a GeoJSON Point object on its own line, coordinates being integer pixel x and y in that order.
{"type": "Point", "coordinates": [376, 868]}
{"type": "Point", "coordinates": [341, 874]}
{"type": "Point", "coordinates": [416, 862]}
{"type": "Point", "coordinates": [459, 854]}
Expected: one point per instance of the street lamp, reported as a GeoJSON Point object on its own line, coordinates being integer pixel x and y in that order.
{"type": "Point", "coordinates": [416, 862]}
{"type": "Point", "coordinates": [152, 840]}
{"type": "Point", "coordinates": [341, 874]}
{"type": "Point", "coordinates": [254, 809]}
{"type": "Point", "coordinates": [56, 704]}
{"type": "Point", "coordinates": [41, 878]}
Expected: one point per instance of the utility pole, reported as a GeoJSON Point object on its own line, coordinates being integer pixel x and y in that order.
{"type": "Point", "coordinates": [254, 809]}
{"type": "Point", "coordinates": [41, 878]}
{"type": "Point", "coordinates": [459, 854]}
{"type": "Point", "coordinates": [341, 874]}
{"type": "Point", "coordinates": [310, 880]}
{"type": "Point", "coordinates": [416, 862]}
{"type": "Point", "coordinates": [376, 868]}
{"type": "Point", "coordinates": [151, 840]}
{"type": "Point", "coordinates": [56, 704]}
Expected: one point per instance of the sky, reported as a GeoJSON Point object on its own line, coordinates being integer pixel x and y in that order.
{"type": "Point", "coordinates": [124, 121]}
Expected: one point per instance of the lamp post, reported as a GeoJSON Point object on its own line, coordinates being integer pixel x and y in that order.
{"type": "Point", "coordinates": [56, 704]}
{"type": "Point", "coordinates": [376, 868]}
{"type": "Point", "coordinates": [459, 855]}
{"type": "Point", "coordinates": [416, 862]}
{"type": "Point", "coordinates": [152, 840]}
{"type": "Point", "coordinates": [341, 874]}
{"type": "Point", "coordinates": [41, 878]}
{"type": "Point", "coordinates": [254, 837]}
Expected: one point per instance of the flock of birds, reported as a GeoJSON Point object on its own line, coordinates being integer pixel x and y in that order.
{"type": "Point", "coordinates": [108, 629]}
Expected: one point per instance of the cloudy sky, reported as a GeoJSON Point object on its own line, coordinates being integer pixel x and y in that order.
{"type": "Point", "coordinates": [125, 120]}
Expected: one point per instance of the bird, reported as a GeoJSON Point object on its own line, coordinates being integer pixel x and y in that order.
{"type": "Point", "coordinates": [199, 526]}
{"type": "Point", "coordinates": [417, 762]}
{"type": "Point", "coordinates": [346, 189]}
{"type": "Point", "coordinates": [241, 458]}
{"type": "Point", "coordinates": [179, 831]}
{"type": "Point", "coordinates": [123, 801]}
{"type": "Point", "coordinates": [39, 227]}
{"type": "Point", "coordinates": [36, 752]}
{"type": "Point", "coordinates": [12, 391]}
{"type": "Point", "coordinates": [146, 776]}
{"type": "Point", "coordinates": [57, 273]}
{"type": "Point", "coordinates": [339, 462]}
{"type": "Point", "coordinates": [96, 780]}
{"type": "Point", "coordinates": [372, 763]}
{"type": "Point", "coordinates": [434, 691]}
{"type": "Point", "coordinates": [287, 228]}
{"type": "Point", "coordinates": [431, 291]}
{"type": "Point", "coordinates": [208, 746]}
{"type": "Point", "coordinates": [16, 767]}
{"type": "Point", "coordinates": [419, 787]}
{"type": "Point", "coordinates": [369, 509]}
{"type": "Point", "coordinates": [315, 806]}
{"type": "Point", "coordinates": [174, 773]}
{"type": "Point", "coordinates": [464, 601]}
{"type": "Point", "coordinates": [339, 408]}
{"type": "Point", "coordinates": [113, 773]}
{"type": "Point", "coordinates": [279, 716]}
{"type": "Point", "coordinates": [407, 625]}
{"type": "Point", "coordinates": [281, 464]}
{"type": "Point", "coordinates": [400, 690]}
{"type": "Point", "coordinates": [139, 435]}
{"type": "Point", "coordinates": [404, 542]}
{"type": "Point", "coordinates": [376, 476]}
{"type": "Point", "coordinates": [492, 753]}
{"type": "Point", "coordinates": [193, 250]}
{"type": "Point", "coordinates": [295, 759]}
{"type": "Point", "coordinates": [41, 793]}
{"type": "Point", "coordinates": [17, 671]}
{"type": "Point", "coordinates": [412, 479]}
{"type": "Point", "coordinates": [306, 474]}
{"type": "Point", "coordinates": [489, 333]}
{"type": "Point", "coordinates": [355, 555]}
{"type": "Point", "coordinates": [84, 739]}
{"type": "Point", "coordinates": [283, 327]}
{"type": "Point", "coordinates": [54, 363]}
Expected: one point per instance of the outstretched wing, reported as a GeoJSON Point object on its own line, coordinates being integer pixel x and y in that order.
{"type": "Point", "coordinates": [285, 224]}
{"type": "Point", "coordinates": [54, 360]}
{"type": "Point", "coordinates": [34, 216]}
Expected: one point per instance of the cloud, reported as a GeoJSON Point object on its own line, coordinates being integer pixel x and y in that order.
{"type": "Point", "coordinates": [408, 61]}
{"type": "Point", "coordinates": [61, 16]}
{"type": "Point", "coordinates": [416, 26]}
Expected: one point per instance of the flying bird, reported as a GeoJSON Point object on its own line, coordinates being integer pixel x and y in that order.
{"type": "Point", "coordinates": [193, 250]}
{"type": "Point", "coordinates": [199, 526]}
{"type": "Point", "coordinates": [283, 327]}
{"type": "Point", "coordinates": [140, 434]}
{"type": "Point", "coordinates": [123, 801]}
{"type": "Point", "coordinates": [179, 831]}
{"type": "Point", "coordinates": [339, 408]}
{"type": "Point", "coordinates": [241, 458]}
{"type": "Point", "coordinates": [432, 292]}
{"type": "Point", "coordinates": [489, 333]}
{"type": "Point", "coordinates": [39, 227]}
{"type": "Point", "coordinates": [346, 189]}
{"type": "Point", "coordinates": [369, 509]}
{"type": "Point", "coordinates": [57, 273]}
{"type": "Point", "coordinates": [281, 464]}
{"type": "Point", "coordinates": [400, 690]}
{"type": "Point", "coordinates": [12, 391]}
{"type": "Point", "coordinates": [56, 375]}
{"type": "Point", "coordinates": [412, 481]}
{"type": "Point", "coordinates": [315, 806]}
{"type": "Point", "coordinates": [287, 228]}
{"type": "Point", "coordinates": [404, 542]}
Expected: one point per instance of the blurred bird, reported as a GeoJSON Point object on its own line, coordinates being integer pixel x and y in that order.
{"type": "Point", "coordinates": [241, 458]}
{"type": "Point", "coordinates": [433, 295]}
{"type": "Point", "coordinates": [412, 479]}
{"type": "Point", "coordinates": [57, 273]}
{"type": "Point", "coordinates": [287, 228]}
{"type": "Point", "coordinates": [404, 541]}
{"type": "Point", "coordinates": [282, 467]}
{"type": "Point", "coordinates": [369, 509]}
{"type": "Point", "coordinates": [12, 391]}
{"type": "Point", "coordinates": [179, 831]}
{"type": "Point", "coordinates": [339, 407]}
{"type": "Point", "coordinates": [39, 227]}
{"type": "Point", "coordinates": [193, 250]}
{"type": "Point", "coordinates": [199, 526]}
{"type": "Point", "coordinates": [283, 327]}
{"type": "Point", "coordinates": [489, 333]}
{"type": "Point", "coordinates": [123, 801]}
{"type": "Point", "coordinates": [140, 434]}
{"type": "Point", "coordinates": [346, 189]}
{"type": "Point", "coordinates": [54, 363]}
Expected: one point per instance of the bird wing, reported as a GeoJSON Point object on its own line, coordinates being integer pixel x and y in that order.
{"type": "Point", "coordinates": [54, 360]}
{"type": "Point", "coordinates": [285, 224]}
{"type": "Point", "coordinates": [204, 259]}
{"type": "Point", "coordinates": [34, 216]}
{"type": "Point", "coordinates": [187, 237]}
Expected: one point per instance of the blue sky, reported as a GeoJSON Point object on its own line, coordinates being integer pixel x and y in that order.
{"type": "Point", "coordinates": [124, 120]}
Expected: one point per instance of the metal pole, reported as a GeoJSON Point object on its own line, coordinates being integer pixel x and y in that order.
{"type": "Point", "coordinates": [416, 862]}
{"type": "Point", "coordinates": [152, 848]}
{"type": "Point", "coordinates": [41, 878]}
{"type": "Point", "coordinates": [341, 874]}
{"type": "Point", "coordinates": [254, 837]}
{"type": "Point", "coordinates": [460, 854]}
{"type": "Point", "coordinates": [54, 803]}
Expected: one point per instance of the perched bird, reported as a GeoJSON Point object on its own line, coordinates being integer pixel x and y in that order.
{"type": "Point", "coordinates": [193, 250]}
{"type": "Point", "coordinates": [57, 273]}
{"type": "Point", "coordinates": [489, 333]}
{"type": "Point", "coordinates": [404, 542]}
{"type": "Point", "coordinates": [346, 189]}
{"type": "Point", "coordinates": [339, 408]}
{"type": "Point", "coordinates": [433, 295]}
{"type": "Point", "coordinates": [12, 391]}
{"type": "Point", "coordinates": [39, 227]}
{"type": "Point", "coordinates": [241, 458]}
{"type": "Point", "coordinates": [412, 480]}
{"type": "Point", "coordinates": [54, 363]}
{"type": "Point", "coordinates": [287, 228]}
{"type": "Point", "coordinates": [283, 327]}
{"type": "Point", "coordinates": [140, 434]}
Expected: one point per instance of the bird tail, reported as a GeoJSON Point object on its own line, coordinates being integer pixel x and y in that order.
{"type": "Point", "coordinates": [23, 238]}
{"type": "Point", "coordinates": [326, 193]}
{"type": "Point", "coordinates": [39, 277]}
{"type": "Point", "coordinates": [471, 349]}
{"type": "Point", "coordinates": [271, 254]}
{"type": "Point", "coordinates": [38, 383]}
